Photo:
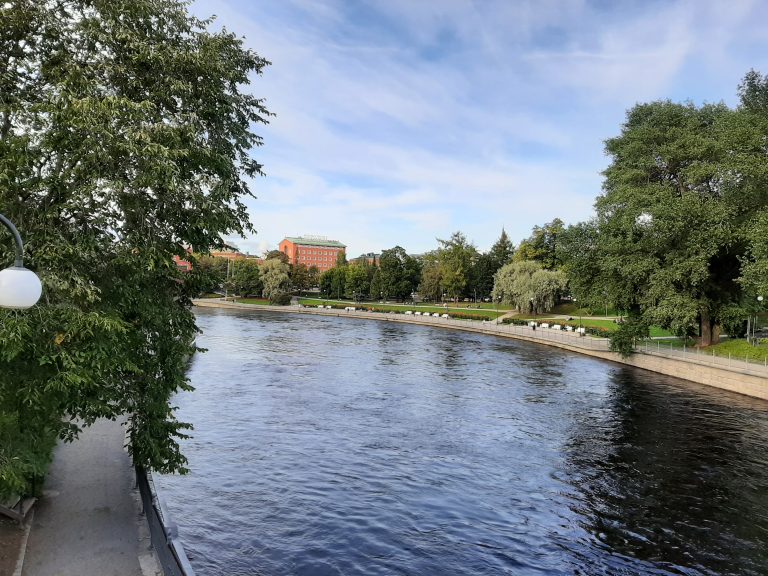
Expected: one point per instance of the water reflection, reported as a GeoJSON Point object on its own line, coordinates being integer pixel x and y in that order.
{"type": "Point", "coordinates": [333, 446]}
{"type": "Point", "coordinates": [673, 476]}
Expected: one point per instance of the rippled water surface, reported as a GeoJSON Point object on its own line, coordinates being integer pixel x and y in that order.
{"type": "Point", "coordinates": [327, 446]}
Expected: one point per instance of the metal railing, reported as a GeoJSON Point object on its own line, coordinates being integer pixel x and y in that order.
{"type": "Point", "coordinates": [697, 356]}
{"type": "Point", "coordinates": [162, 529]}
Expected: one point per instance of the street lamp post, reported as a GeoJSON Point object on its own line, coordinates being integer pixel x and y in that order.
{"type": "Point", "coordinates": [19, 287]}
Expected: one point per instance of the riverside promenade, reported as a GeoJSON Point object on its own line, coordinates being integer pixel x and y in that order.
{"type": "Point", "coordinates": [750, 380]}
{"type": "Point", "coordinates": [88, 521]}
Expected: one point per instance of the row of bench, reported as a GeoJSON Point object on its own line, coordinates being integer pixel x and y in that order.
{"type": "Point", "coordinates": [557, 327]}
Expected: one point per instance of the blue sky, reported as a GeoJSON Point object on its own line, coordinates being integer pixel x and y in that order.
{"type": "Point", "coordinates": [401, 121]}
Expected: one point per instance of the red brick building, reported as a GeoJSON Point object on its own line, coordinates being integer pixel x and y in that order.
{"type": "Point", "coordinates": [312, 251]}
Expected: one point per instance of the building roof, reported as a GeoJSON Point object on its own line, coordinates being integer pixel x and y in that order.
{"type": "Point", "coordinates": [314, 241]}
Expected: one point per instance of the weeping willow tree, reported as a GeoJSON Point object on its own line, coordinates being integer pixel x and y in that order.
{"type": "Point", "coordinates": [528, 286]}
{"type": "Point", "coordinates": [125, 136]}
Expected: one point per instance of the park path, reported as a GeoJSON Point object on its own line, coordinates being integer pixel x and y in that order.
{"type": "Point", "coordinates": [89, 520]}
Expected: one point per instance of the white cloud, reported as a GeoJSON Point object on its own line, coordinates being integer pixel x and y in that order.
{"type": "Point", "coordinates": [461, 114]}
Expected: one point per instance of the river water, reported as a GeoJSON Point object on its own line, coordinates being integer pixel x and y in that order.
{"type": "Point", "coordinates": [327, 446]}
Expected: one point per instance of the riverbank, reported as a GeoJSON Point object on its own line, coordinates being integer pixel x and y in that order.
{"type": "Point", "coordinates": [748, 380]}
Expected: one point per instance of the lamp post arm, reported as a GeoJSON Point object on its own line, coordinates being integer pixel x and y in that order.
{"type": "Point", "coordinates": [17, 237]}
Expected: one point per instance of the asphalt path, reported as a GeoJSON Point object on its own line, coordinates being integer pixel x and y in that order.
{"type": "Point", "coordinates": [89, 520]}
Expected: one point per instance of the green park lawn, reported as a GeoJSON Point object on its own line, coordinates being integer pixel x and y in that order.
{"type": "Point", "coordinates": [608, 325]}
{"type": "Point", "coordinates": [258, 301]}
{"type": "Point", "coordinates": [485, 313]}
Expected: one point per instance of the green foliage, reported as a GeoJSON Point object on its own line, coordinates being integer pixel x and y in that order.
{"type": "Point", "coordinates": [333, 282]}
{"type": "Point", "coordinates": [276, 255]}
{"type": "Point", "coordinates": [358, 281]}
{"type": "Point", "coordinates": [528, 287]}
{"type": "Point", "coordinates": [211, 272]}
{"type": "Point", "coordinates": [542, 245]}
{"type": "Point", "coordinates": [280, 300]}
{"type": "Point", "coordinates": [300, 276]}
{"type": "Point", "coordinates": [630, 332]}
{"type": "Point", "coordinates": [679, 233]}
{"type": "Point", "coordinates": [275, 279]}
{"type": "Point", "coordinates": [502, 252]}
{"type": "Point", "coordinates": [431, 286]}
{"type": "Point", "coordinates": [124, 138]}
{"type": "Point", "coordinates": [245, 278]}
{"type": "Point", "coordinates": [456, 257]}
{"type": "Point", "coordinates": [399, 274]}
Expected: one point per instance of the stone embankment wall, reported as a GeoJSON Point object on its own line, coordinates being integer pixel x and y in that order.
{"type": "Point", "coordinates": [751, 381]}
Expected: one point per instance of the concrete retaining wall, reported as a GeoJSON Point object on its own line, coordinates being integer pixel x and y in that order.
{"type": "Point", "coordinates": [750, 381]}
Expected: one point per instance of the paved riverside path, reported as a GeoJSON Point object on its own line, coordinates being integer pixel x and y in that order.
{"type": "Point", "coordinates": [88, 521]}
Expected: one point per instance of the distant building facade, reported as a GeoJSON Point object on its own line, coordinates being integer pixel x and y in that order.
{"type": "Point", "coordinates": [370, 258]}
{"type": "Point", "coordinates": [312, 251]}
{"type": "Point", "coordinates": [229, 254]}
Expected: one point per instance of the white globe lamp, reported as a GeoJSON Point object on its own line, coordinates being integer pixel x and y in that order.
{"type": "Point", "coordinates": [19, 287]}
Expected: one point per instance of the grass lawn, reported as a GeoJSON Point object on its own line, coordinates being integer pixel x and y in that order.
{"type": "Point", "coordinates": [259, 301]}
{"type": "Point", "coordinates": [738, 348]}
{"type": "Point", "coordinates": [488, 314]}
{"type": "Point", "coordinates": [609, 325]}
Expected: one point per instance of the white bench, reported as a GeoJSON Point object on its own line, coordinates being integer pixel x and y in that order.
{"type": "Point", "coordinates": [408, 312]}
{"type": "Point", "coordinates": [445, 316]}
{"type": "Point", "coordinates": [544, 324]}
{"type": "Point", "coordinates": [556, 327]}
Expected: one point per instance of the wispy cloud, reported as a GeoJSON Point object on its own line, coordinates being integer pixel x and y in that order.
{"type": "Point", "coordinates": [400, 121]}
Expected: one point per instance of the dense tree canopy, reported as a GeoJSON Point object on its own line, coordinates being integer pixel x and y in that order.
{"type": "Point", "coordinates": [541, 245]}
{"type": "Point", "coordinates": [245, 278]}
{"type": "Point", "coordinates": [399, 274]}
{"type": "Point", "coordinates": [680, 224]}
{"type": "Point", "coordinates": [456, 257]}
{"type": "Point", "coordinates": [124, 138]}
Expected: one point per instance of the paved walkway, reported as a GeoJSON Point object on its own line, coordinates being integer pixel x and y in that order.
{"type": "Point", "coordinates": [88, 521]}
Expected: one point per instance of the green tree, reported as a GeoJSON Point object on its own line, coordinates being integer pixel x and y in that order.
{"type": "Point", "coordinates": [431, 286]}
{"type": "Point", "coordinates": [671, 239]}
{"type": "Point", "coordinates": [333, 282]}
{"type": "Point", "coordinates": [501, 252]}
{"type": "Point", "coordinates": [275, 278]}
{"type": "Point", "coordinates": [541, 245]}
{"type": "Point", "coordinates": [276, 255]}
{"type": "Point", "coordinates": [313, 276]}
{"type": "Point", "coordinates": [457, 257]}
{"type": "Point", "coordinates": [528, 286]}
{"type": "Point", "coordinates": [245, 278]}
{"type": "Point", "coordinates": [377, 289]}
{"type": "Point", "coordinates": [124, 137]}
{"type": "Point", "coordinates": [212, 272]}
{"type": "Point", "coordinates": [358, 281]}
{"type": "Point", "coordinates": [300, 277]}
{"type": "Point", "coordinates": [399, 273]}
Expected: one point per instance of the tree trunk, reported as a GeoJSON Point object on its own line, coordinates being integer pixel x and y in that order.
{"type": "Point", "coordinates": [710, 332]}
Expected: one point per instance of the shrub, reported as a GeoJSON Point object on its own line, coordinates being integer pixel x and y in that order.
{"type": "Point", "coordinates": [280, 299]}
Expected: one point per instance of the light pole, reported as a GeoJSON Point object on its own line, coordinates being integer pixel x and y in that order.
{"type": "Point", "coordinates": [754, 324]}
{"type": "Point", "coordinates": [19, 288]}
